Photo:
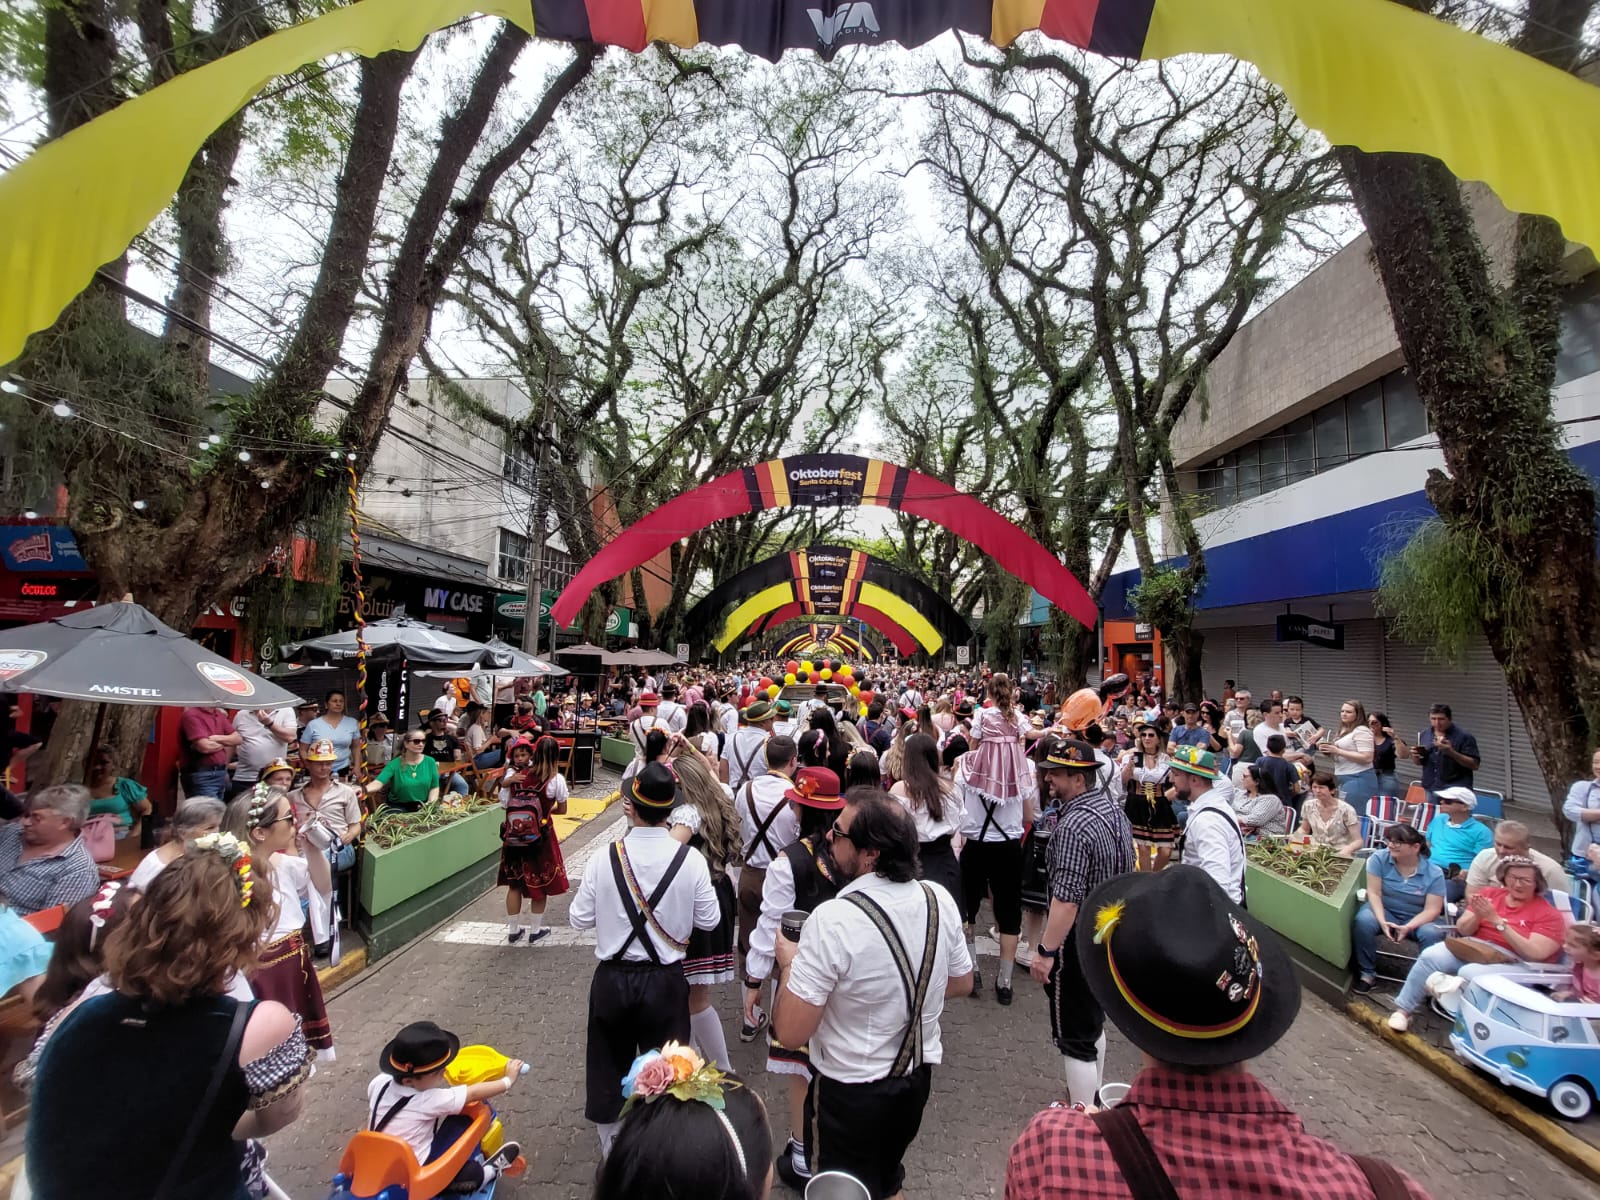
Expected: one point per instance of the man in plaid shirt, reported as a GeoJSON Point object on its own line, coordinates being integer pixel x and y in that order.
{"type": "Point", "coordinates": [1092, 843]}
{"type": "Point", "coordinates": [1200, 987]}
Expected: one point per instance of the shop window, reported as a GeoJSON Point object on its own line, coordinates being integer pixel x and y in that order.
{"type": "Point", "coordinates": [1364, 419]}
{"type": "Point", "coordinates": [515, 554]}
{"type": "Point", "coordinates": [1333, 444]}
{"type": "Point", "coordinates": [1579, 352]}
{"type": "Point", "coordinates": [1273, 470]}
{"type": "Point", "coordinates": [1404, 418]}
{"type": "Point", "coordinates": [1299, 450]}
{"type": "Point", "coordinates": [1249, 471]}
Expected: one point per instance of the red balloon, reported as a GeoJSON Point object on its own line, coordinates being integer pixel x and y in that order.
{"type": "Point", "coordinates": [865, 697]}
{"type": "Point", "coordinates": [816, 677]}
{"type": "Point", "coordinates": [766, 682]}
{"type": "Point", "coordinates": [792, 666]}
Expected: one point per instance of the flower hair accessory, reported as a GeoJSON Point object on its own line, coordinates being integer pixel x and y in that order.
{"type": "Point", "coordinates": [100, 909]}
{"type": "Point", "coordinates": [676, 1070]}
{"type": "Point", "coordinates": [232, 852]}
{"type": "Point", "coordinates": [261, 799]}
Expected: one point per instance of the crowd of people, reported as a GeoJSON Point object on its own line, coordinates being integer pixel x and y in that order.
{"type": "Point", "coordinates": [832, 849]}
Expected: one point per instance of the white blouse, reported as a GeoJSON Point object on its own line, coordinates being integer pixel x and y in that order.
{"type": "Point", "coordinates": [929, 830]}
{"type": "Point", "coordinates": [1357, 741]}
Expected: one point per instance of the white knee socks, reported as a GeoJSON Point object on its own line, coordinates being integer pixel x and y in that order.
{"type": "Point", "coordinates": [535, 922]}
{"type": "Point", "coordinates": [706, 1029]}
{"type": "Point", "coordinates": [1083, 1080]}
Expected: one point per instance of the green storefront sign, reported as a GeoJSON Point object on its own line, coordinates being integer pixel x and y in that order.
{"type": "Point", "coordinates": [512, 607]}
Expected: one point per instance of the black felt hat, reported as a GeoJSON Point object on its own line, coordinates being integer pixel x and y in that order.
{"type": "Point", "coordinates": [653, 786]}
{"type": "Point", "coordinates": [419, 1049]}
{"type": "Point", "coordinates": [1189, 976]}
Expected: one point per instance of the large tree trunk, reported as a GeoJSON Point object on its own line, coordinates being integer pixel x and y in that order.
{"type": "Point", "coordinates": [1184, 645]}
{"type": "Point", "coordinates": [1483, 359]}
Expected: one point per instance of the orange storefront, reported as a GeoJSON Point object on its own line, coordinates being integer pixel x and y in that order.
{"type": "Point", "coordinates": [1133, 648]}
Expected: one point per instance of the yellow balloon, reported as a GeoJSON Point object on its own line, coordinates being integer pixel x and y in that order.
{"type": "Point", "coordinates": [806, 668]}
{"type": "Point", "coordinates": [845, 671]}
{"type": "Point", "coordinates": [863, 710]}
{"type": "Point", "coordinates": [855, 689]}
{"type": "Point", "coordinates": [772, 692]}
{"type": "Point", "coordinates": [826, 674]}
{"type": "Point", "coordinates": [788, 678]}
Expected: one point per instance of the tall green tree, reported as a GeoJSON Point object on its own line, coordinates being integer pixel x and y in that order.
{"type": "Point", "coordinates": [1513, 550]}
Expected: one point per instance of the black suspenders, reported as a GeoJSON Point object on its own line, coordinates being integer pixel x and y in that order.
{"type": "Point", "coordinates": [641, 919]}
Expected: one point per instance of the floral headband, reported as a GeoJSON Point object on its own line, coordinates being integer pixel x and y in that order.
{"type": "Point", "coordinates": [100, 910]}
{"type": "Point", "coordinates": [262, 800]}
{"type": "Point", "coordinates": [233, 853]}
{"type": "Point", "coordinates": [676, 1070]}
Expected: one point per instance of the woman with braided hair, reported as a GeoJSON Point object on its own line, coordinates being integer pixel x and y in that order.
{"type": "Point", "coordinates": [706, 819]}
{"type": "Point", "coordinates": [263, 821]}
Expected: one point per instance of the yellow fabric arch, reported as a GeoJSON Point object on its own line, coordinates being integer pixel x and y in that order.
{"type": "Point", "coordinates": [765, 601]}
{"type": "Point", "coordinates": [900, 611]}
{"type": "Point", "coordinates": [1369, 73]}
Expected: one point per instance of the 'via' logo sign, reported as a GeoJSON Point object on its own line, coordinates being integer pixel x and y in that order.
{"type": "Point", "coordinates": [858, 15]}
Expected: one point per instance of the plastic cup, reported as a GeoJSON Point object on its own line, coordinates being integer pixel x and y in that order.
{"type": "Point", "coordinates": [790, 924]}
{"type": "Point", "coordinates": [1113, 1093]}
{"type": "Point", "coordinates": [836, 1185]}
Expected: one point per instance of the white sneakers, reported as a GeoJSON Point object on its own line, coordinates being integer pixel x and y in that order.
{"type": "Point", "coordinates": [1399, 1021]}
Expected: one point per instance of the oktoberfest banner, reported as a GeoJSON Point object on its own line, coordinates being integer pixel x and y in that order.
{"type": "Point", "coordinates": [1368, 73]}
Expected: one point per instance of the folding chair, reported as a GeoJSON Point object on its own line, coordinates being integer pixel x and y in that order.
{"type": "Point", "coordinates": [1383, 812]}
{"type": "Point", "coordinates": [1490, 804]}
{"type": "Point", "coordinates": [1422, 816]}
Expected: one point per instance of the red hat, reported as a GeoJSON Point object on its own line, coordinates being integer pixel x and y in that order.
{"type": "Point", "coordinates": [648, 700]}
{"type": "Point", "coordinates": [816, 787]}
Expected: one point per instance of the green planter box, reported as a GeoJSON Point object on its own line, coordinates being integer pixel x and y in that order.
{"type": "Point", "coordinates": [616, 751]}
{"type": "Point", "coordinates": [410, 887]}
{"type": "Point", "coordinates": [1319, 924]}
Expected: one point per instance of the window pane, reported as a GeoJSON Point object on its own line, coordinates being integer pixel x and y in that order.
{"type": "Point", "coordinates": [1272, 468]}
{"type": "Point", "coordinates": [1364, 410]}
{"type": "Point", "coordinates": [513, 557]}
{"type": "Point", "coordinates": [1249, 472]}
{"type": "Point", "coordinates": [1299, 450]}
{"type": "Point", "coordinates": [1403, 413]}
{"type": "Point", "coordinates": [1579, 354]}
{"type": "Point", "coordinates": [1333, 447]}
{"type": "Point", "coordinates": [1208, 482]}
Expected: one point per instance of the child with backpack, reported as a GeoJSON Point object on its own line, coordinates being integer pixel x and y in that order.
{"type": "Point", "coordinates": [531, 791]}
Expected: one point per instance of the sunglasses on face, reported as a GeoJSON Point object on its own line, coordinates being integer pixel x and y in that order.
{"type": "Point", "coordinates": [835, 832]}
{"type": "Point", "coordinates": [413, 741]}
{"type": "Point", "coordinates": [288, 816]}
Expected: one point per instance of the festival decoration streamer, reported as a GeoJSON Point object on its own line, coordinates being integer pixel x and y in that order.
{"type": "Point", "coordinates": [1367, 73]}
{"type": "Point", "coordinates": [359, 610]}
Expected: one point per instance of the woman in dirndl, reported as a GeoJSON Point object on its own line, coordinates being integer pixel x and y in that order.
{"type": "Point", "coordinates": [263, 819]}
{"type": "Point", "coordinates": [707, 821]}
{"type": "Point", "coordinates": [998, 764]}
{"type": "Point", "coordinates": [1144, 775]}
{"type": "Point", "coordinates": [531, 791]}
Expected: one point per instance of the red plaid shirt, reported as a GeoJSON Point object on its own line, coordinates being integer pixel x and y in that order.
{"type": "Point", "coordinates": [1217, 1136]}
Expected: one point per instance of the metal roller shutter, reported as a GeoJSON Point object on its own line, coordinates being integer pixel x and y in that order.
{"type": "Point", "coordinates": [1265, 663]}
{"type": "Point", "coordinates": [1330, 677]}
{"type": "Point", "coordinates": [1219, 659]}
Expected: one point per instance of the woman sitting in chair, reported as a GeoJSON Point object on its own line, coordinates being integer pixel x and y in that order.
{"type": "Point", "coordinates": [1499, 925]}
{"type": "Point", "coordinates": [1405, 899]}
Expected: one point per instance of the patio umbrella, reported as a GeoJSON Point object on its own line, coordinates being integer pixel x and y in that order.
{"type": "Point", "coordinates": [580, 649]}
{"type": "Point", "coordinates": [400, 639]}
{"type": "Point", "coordinates": [638, 656]}
{"type": "Point", "coordinates": [121, 654]}
{"type": "Point", "coordinates": [521, 665]}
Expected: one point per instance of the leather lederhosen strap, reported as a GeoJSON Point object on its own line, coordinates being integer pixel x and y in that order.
{"type": "Point", "coordinates": [744, 764]}
{"type": "Point", "coordinates": [640, 911]}
{"type": "Point", "coordinates": [762, 827]}
{"type": "Point", "coordinates": [915, 985]}
{"type": "Point", "coordinates": [1147, 1179]}
{"type": "Point", "coordinates": [989, 818]}
{"type": "Point", "coordinates": [655, 723]}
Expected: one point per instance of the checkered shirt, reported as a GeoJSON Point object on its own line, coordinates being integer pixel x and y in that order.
{"type": "Point", "coordinates": [1092, 843]}
{"type": "Point", "coordinates": [63, 878]}
{"type": "Point", "coordinates": [1218, 1137]}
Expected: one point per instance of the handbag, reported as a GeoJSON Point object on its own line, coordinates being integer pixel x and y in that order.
{"type": "Point", "coordinates": [99, 836]}
{"type": "Point", "coordinates": [1036, 867]}
{"type": "Point", "coordinates": [1475, 950]}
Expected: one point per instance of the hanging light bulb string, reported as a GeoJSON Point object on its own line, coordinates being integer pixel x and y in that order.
{"type": "Point", "coordinates": [359, 610]}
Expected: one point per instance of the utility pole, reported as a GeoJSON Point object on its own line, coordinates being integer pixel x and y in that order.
{"type": "Point", "coordinates": [537, 526]}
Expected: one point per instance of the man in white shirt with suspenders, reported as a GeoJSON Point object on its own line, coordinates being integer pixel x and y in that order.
{"type": "Point", "coordinates": [1211, 838]}
{"type": "Point", "coordinates": [642, 898]}
{"type": "Point", "coordinates": [767, 823]}
{"type": "Point", "coordinates": [746, 751]}
{"type": "Point", "coordinates": [888, 943]}
{"type": "Point", "coordinates": [639, 731]}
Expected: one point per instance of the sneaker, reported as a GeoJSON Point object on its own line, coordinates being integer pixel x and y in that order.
{"type": "Point", "coordinates": [1024, 955]}
{"type": "Point", "coordinates": [1363, 986]}
{"type": "Point", "coordinates": [506, 1155]}
{"type": "Point", "coordinates": [1399, 1020]}
{"type": "Point", "coordinates": [515, 935]}
{"type": "Point", "coordinates": [789, 1172]}
{"type": "Point", "coordinates": [537, 935]}
{"type": "Point", "coordinates": [749, 1032]}
{"type": "Point", "coordinates": [1002, 994]}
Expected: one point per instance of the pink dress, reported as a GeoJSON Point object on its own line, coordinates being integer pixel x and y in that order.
{"type": "Point", "coordinates": [998, 766]}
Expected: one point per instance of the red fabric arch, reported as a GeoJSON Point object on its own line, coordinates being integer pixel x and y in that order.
{"type": "Point", "coordinates": [832, 480]}
{"type": "Point", "coordinates": [904, 643]}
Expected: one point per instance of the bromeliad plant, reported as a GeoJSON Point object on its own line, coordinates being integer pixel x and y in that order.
{"type": "Point", "coordinates": [388, 827]}
{"type": "Point", "coordinates": [1319, 868]}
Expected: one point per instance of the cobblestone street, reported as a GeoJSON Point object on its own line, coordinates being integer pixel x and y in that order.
{"type": "Point", "coordinates": [999, 1068]}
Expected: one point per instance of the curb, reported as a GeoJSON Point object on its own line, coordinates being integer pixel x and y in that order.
{"type": "Point", "coordinates": [1546, 1131]}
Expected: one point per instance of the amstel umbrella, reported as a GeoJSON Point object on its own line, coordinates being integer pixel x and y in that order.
{"type": "Point", "coordinates": [521, 665]}
{"type": "Point", "coordinates": [121, 654]}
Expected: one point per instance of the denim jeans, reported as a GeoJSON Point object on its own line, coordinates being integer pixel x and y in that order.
{"type": "Point", "coordinates": [206, 781]}
{"type": "Point", "coordinates": [1355, 790]}
{"type": "Point", "coordinates": [1367, 932]}
{"type": "Point", "coordinates": [1388, 784]}
{"type": "Point", "coordinates": [458, 785]}
{"type": "Point", "coordinates": [488, 759]}
{"type": "Point", "coordinates": [1436, 957]}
